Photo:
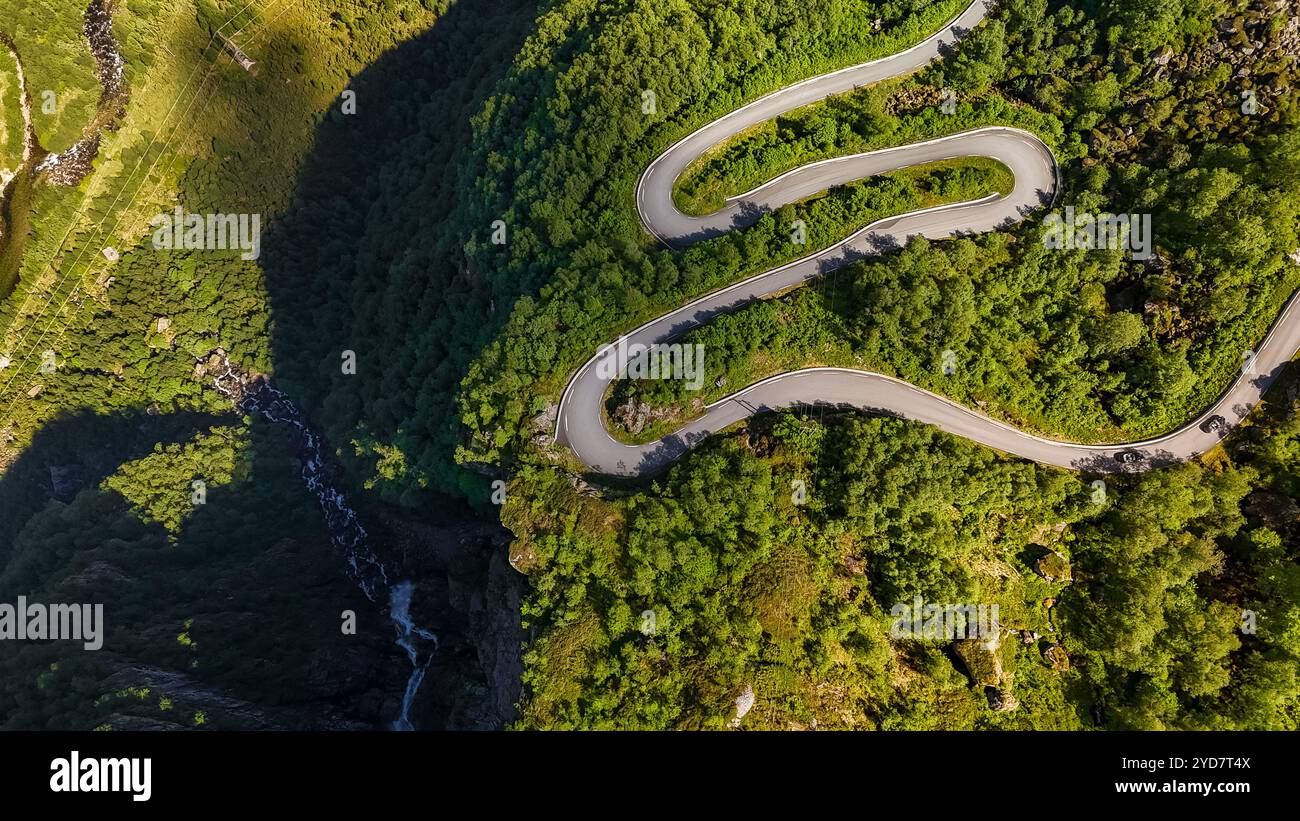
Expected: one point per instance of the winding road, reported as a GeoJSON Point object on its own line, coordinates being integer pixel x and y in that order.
{"type": "Point", "coordinates": [580, 422]}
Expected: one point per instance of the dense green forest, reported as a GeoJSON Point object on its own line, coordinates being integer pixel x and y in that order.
{"type": "Point", "coordinates": [750, 589]}
{"type": "Point", "coordinates": [472, 117]}
{"type": "Point", "coordinates": [1144, 114]}
{"type": "Point", "coordinates": [1053, 342]}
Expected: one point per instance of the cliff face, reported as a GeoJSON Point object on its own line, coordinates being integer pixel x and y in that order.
{"type": "Point", "coordinates": [466, 593]}
{"type": "Point", "coordinates": [231, 618]}
{"type": "Point", "coordinates": [498, 640]}
{"type": "Point", "coordinates": [441, 576]}
{"type": "Point", "coordinates": [264, 650]}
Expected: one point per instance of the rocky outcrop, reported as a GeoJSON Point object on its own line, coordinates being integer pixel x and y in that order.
{"type": "Point", "coordinates": [467, 593]}
{"type": "Point", "coordinates": [1053, 567]}
{"type": "Point", "coordinates": [1056, 657]}
{"type": "Point", "coordinates": [988, 660]}
{"type": "Point", "coordinates": [543, 425]}
{"type": "Point", "coordinates": [744, 703]}
{"type": "Point", "coordinates": [498, 640]}
{"type": "Point", "coordinates": [635, 415]}
{"type": "Point", "coordinates": [65, 481]}
{"type": "Point", "coordinates": [983, 659]}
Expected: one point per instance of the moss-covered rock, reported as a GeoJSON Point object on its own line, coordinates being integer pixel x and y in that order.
{"type": "Point", "coordinates": [1057, 657]}
{"type": "Point", "coordinates": [984, 658]}
{"type": "Point", "coordinates": [1053, 567]}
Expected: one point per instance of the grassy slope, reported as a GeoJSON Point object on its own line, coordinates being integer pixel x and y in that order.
{"type": "Point", "coordinates": [198, 131]}
{"type": "Point", "coordinates": [55, 56]}
{"type": "Point", "coordinates": [11, 117]}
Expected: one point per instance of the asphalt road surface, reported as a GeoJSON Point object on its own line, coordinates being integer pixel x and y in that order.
{"type": "Point", "coordinates": [580, 422]}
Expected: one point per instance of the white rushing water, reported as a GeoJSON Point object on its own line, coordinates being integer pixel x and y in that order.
{"type": "Point", "coordinates": [409, 635]}
{"type": "Point", "coordinates": [256, 395]}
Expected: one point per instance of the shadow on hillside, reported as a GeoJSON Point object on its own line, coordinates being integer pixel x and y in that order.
{"type": "Point", "coordinates": [76, 451]}
{"type": "Point", "coordinates": [250, 578]}
{"type": "Point", "coordinates": [368, 262]}
{"type": "Point", "coordinates": [369, 257]}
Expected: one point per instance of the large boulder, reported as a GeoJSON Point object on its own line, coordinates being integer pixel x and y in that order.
{"type": "Point", "coordinates": [1057, 657]}
{"type": "Point", "coordinates": [1053, 567]}
{"type": "Point", "coordinates": [983, 658]}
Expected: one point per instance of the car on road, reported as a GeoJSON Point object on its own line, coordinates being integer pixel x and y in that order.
{"type": "Point", "coordinates": [1129, 457]}
{"type": "Point", "coordinates": [1215, 424]}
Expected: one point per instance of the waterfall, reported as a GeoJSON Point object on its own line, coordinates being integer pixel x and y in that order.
{"type": "Point", "coordinates": [257, 395]}
{"type": "Point", "coordinates": [399, 609]}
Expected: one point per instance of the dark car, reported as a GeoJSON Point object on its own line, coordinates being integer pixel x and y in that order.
{"type": "Point", "coordinates": [1215, 424]}
{"type": "Point", "coordinates": [1129, 457]}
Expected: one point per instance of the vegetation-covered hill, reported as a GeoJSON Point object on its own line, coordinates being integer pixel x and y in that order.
{"type": "Point", "coordinates": [232, 609]}
{"type": "Point", "coordinates": [475, 117]}
{"type": "Point", "coordinates": [1146, 111]}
